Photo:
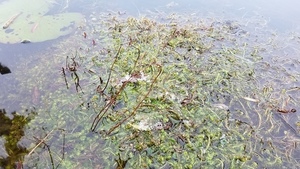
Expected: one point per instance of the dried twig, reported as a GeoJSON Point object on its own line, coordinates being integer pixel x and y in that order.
{"type": "Point", "coordinates": [138, 105]}
{"type": "Point", "coordinates": [64, 75]}
{"type": "Point", "coordinates": [41, 141]}
{"type": "Point", "coordinates": [111, 68]}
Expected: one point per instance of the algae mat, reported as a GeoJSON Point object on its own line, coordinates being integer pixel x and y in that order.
{"type": "Point", "coordinates": [21, 21]}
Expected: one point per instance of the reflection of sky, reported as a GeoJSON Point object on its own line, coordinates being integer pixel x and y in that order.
{"type": "Point", "coordinates": [282, 15]}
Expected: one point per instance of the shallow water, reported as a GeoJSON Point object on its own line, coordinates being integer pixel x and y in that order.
{"type": "Point", "coordinates": [275, 24]}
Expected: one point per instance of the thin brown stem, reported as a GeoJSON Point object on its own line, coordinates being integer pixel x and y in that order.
{"type": "Point", "coordinates": [104, 110]}
{"type": "Point", "coordinates": [138, 105]}
{"type": "Point", "coordinates": [111, 68]}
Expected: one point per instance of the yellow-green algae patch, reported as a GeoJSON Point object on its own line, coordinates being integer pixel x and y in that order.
{"type": "Point", "coordinates": [21, 21]}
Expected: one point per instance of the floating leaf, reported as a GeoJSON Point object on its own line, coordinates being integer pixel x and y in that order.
{"type": "Point", "coordinates": [251, 99]}
{"type": "Point", "coordinates": [21, 21]}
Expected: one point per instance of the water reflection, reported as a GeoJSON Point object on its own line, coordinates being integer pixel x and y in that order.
{"type": "Point", "coordinates": [280, 16]}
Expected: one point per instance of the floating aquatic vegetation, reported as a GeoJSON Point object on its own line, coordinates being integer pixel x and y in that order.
{"type": "Point", "coordinates": [174, 94]}
{"type": "Point", "coordinates": [12, 130]}
{"type": "Point", "coordinates": [21, 21]}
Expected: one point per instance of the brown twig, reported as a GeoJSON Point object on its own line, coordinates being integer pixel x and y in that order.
{"type": "Point", "coordinates": [64, 75]}
{"type": "Point", "coordinates": [41, 141]}
{"type": "Point", "coordinates": [76, 81]}
{"type": "Point", "coordinates": [104, 110]}
{"type": "Point", "coordinates": [111, 68]}
{"type": "Point", "coordinates": [138, 105]}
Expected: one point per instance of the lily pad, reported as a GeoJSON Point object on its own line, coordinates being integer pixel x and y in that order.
{"type": "Point", "coordinates": [21, 21]}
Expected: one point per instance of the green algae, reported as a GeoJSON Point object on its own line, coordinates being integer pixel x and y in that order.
{"type": "Point", "coordinates": [12, 130]}
{"type": "Point", "coordinates": [180, 94]}
{"type": "Point", "coordinates": [33, 22]}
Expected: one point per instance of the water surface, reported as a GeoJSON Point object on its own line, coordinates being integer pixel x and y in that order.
{"type": "Point", "coordinates": [36, 89]}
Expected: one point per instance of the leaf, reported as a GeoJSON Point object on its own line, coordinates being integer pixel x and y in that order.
{"type": "Point", "coordinates": [31, 22]}
{"type": "Point", "coordinates": [251, 99]}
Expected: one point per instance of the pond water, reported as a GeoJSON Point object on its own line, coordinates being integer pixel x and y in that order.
{"type": "Point", "coordinates": [156, 84]}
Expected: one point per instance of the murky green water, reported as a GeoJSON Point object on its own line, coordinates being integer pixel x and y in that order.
{"type": "Point", "coordinates": [156, 85]}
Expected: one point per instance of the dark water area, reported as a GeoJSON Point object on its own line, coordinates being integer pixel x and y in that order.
{"type": "Point", "coordinates": [12, 56]}
{"type": "Point", "coordinates": [11, 53]}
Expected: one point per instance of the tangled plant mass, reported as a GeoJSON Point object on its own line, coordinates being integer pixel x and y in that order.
{"type": "Point", "coordinates": [174, 92]}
